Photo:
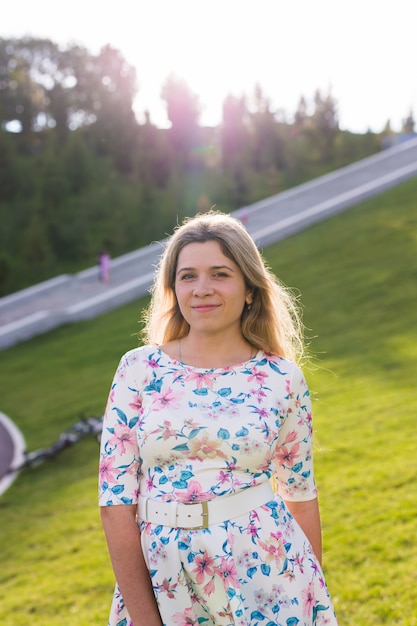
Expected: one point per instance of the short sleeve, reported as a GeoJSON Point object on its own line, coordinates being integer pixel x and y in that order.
{"type": "Point", "coordinates": [119, 466]}
{"type": "Point", "coordinates": [294, 460]}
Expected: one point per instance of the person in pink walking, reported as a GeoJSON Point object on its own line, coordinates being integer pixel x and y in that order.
{"type": "Point", "coordinates": [104, 266]}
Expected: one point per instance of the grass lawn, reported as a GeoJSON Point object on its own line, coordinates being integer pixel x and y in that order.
{"type": "Point", "coordinates": [357, 276]}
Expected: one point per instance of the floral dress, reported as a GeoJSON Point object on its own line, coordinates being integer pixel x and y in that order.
{"type": "Point", "coordinates": [176, 432]}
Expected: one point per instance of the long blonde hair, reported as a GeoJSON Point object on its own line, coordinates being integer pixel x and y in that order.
{"type": "Point", "coordinates": [272, 323]}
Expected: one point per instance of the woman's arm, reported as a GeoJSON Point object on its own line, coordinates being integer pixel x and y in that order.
{"type": "Point", "coordinates": [123, 540]}
{"type": "Point", "coordinates": [307, 515]}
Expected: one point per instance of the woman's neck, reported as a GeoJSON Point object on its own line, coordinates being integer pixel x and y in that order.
{"type": "Point", "coordinates": [211, 352]}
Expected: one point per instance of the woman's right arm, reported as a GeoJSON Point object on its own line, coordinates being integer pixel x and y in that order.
{"type": "Point", "coordinates": [132, 575]}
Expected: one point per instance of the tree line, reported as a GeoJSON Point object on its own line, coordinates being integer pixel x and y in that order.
{"type": "Point", "coordinates": [79, 173]}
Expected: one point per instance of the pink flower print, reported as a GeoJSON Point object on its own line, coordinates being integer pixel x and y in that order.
{"type": "Point", "coordinates": [274, 548]}
{"type": "Point", "coordinates": [167, 431]}
{"type": "Point", "coordinates": [266, 462]}
{"type": "Point", "coordinates": [204, 566]}
{"type": "Point", "coordinates": [194, 493]}
{"type": "Point", "coordinates": [191, 424]}
{"type": "Point", "coordinates": [287, 457]}
{"type": "Point", "coordinates": [270, 434]}
{"type": "Point", "coordinates": [223, 477]}
{"type": "Point", "coordinates": [299, 560]}
{"type": "Point", "coordinates": [308, 600]}
{"type": "Point", "coordinates": [186, 618]}
{"type": "Point", "coordinates": [123, 438]}
{"type": "Point", "coordinates": [201, 378]}
{"type": "Point", "coordinates": [107, 471]}
{"type": "Point", "coordinates": [297, 402]}
{"type": "Point", "coordinates": [260, 395]}
{"type": "Point", "coordinates": [259, 597]}
{"type": "Point", "coordinates": [228, 573]}
{"type": "Point", "coordinates": [209, 587]}
{"type": "Point", "coordinates": [120, 605]}
{"type": "Point", "coordinates": [322, 620]}
{"type": "Point", "coordinates": [136, 405]}
{"type": "Point", "coordinates": [257, 375]}
{"type": "Point", "coordinates": [152, 363]}
{"type": "Point", "coordinates": [133, 469]}
{"type": "Point", "coordinates": [166, 399]}
{"type": "Point", "coordinates": [290, 574]}
{"type": "Point", "coordinates": [167, 587]}
{"type": "Point", "coordinates": [290, 394]}
{"type": "Point", "coordinates": [252, 531]}
{"type": "Point", "coordinates": [121, 371]}
{"type": "Point", "coordinates": [315, 567]}
{"type": "Point", "coordinates": [244, 559]}
{"type": "Point", "coordinates": [291, 436]}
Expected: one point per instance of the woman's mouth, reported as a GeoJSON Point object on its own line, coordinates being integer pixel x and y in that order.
{"type": "Point", "coordinates": [203, 308]}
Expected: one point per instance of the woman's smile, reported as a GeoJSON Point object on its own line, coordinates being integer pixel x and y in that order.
{"type": "Point", "coordinates": [203, 308]}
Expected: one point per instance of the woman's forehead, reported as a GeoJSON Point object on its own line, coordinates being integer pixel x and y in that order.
{"type": "Point", "coordinates": [204, 254]}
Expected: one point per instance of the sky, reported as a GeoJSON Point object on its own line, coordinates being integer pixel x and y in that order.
{"type": "Point", "coordinates": [361, 52]}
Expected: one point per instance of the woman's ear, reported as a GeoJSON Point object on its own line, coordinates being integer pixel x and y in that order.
{"type": "Point", "coordinates": [249, 297]}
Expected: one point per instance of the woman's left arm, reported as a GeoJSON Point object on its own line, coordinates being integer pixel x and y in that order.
{"type": "Point", "coordinates": [307, 515]}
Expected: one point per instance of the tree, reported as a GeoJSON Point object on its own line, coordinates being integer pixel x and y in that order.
{"type": "Point", "coordinates": [324, 125]}
{"type": "Point", "coordinates": [43, 86]}
{"type": "Point", "coordinates": [113, 83]}
{"type": "Point", "coordinates": [29, 70]}
{"type": "Point", "coordinates": [301, 116]}
{"type": "Point", "coordinates": [266, 144]}
{"type": "Point", "coordinates": [409, 123]}
{"type": "Point", "coordinates": [234, 128]}
{"type": "Point", "coordinates": [183, 110]}
{"type": "Point", "coordinates": [9, 168]}
{"type": "Point", "coordinates": [35, 250]}
{"type": "Point", "coordinates": [234, 144]}
{"type": "Point", "coordinates": [5, 267]}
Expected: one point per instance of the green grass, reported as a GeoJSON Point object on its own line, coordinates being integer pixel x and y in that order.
{"type": "Point", "coordinates": [357, 275]}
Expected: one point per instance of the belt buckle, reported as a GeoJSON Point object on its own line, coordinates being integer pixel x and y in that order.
{"type": "Point", "coordinates": [204, 515]}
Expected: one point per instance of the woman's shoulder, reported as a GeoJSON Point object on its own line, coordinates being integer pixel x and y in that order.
{"type": "Point", "coordinates": [271, 357]}
{"type": "Point", "coordinates": [278, 364]}
{"type": "Point", "coordinates": [140, 354]}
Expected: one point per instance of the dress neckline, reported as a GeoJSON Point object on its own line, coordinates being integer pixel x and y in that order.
{"type": "Point", "coordinates": [177, 361]}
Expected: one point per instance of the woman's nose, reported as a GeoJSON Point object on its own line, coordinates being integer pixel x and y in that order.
{"type": "Point", "coordinates": [203, 288]}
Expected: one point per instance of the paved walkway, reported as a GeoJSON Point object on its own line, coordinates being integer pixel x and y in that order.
{"type": "Point", "coordinates": [66, 298]}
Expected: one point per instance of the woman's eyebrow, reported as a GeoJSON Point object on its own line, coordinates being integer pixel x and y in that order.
{"type": "Point", "coordinates": [213, 267]}
{"type": "Point", "coordinates": [222, 267]}
{"type": "Point", "coordinates": [185, 269]}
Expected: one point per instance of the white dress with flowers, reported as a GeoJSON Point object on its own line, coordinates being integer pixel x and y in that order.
{"type": "Point", "coordinates": [176, 432]}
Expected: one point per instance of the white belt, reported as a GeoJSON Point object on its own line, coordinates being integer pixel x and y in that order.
{"type": "Point", "coordinates": [198, 515]}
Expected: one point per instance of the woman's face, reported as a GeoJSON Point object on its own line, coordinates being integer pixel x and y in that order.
{"type": "Point", "coordinates": [210, 288]}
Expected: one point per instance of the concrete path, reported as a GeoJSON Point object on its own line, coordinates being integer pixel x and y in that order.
{"type": "Point", "coordinates": [66, 298]}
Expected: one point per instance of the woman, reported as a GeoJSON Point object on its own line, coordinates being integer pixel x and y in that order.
{"type": "Point", "coordinates": [198, 422]}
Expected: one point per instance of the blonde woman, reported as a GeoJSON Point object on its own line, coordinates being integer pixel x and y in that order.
{"type": "Point", "coordinates": [198, 421]}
